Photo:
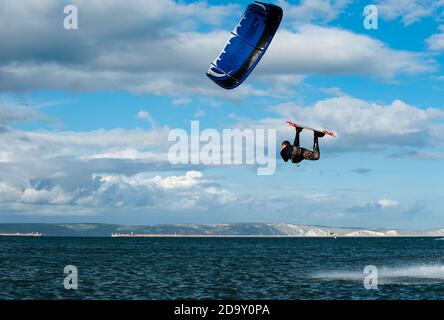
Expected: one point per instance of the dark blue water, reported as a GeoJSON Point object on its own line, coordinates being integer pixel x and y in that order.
{"type": "Point", "coordinates": [221, 268]}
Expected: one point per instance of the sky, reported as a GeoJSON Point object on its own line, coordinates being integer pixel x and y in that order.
{"type": "Point", "coordinates": [85, 114]}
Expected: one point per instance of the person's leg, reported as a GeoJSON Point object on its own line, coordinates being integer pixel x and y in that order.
{"type": "Point", "coordinates": [310, 155]}
{"type": "Point", "coordinates": [315, 154]}
{"type": "Point", "coordinates": [296, 142]}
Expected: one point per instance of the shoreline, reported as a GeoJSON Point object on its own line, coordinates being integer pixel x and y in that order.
{"type": "Point", "coordinates": [214, 236]}
{"type": "Point", "coordinates": [259, 236]}
{"type": "Point", "coordinates": [32, 234]}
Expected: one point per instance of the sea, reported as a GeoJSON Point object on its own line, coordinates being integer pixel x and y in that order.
{"type": "Point", "coordinates": [221, 268]}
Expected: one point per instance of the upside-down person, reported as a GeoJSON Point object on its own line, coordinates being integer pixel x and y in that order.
{"type": "Point", "coordinates": [295, 153]}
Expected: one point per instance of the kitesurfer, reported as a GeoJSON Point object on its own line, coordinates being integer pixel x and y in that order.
{"type": "Point", "coordinates": [295, 153]}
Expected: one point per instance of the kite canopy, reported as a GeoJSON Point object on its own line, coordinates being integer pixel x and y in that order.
{"type": "Point", "coordinates": [246, 45]}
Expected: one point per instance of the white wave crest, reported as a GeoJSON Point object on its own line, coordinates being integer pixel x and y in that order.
{"type": "Point", "coordinates": [405, 274]}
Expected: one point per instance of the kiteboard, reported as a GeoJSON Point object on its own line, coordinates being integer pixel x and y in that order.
{"type": "Point", "coordinates": [296, 125]}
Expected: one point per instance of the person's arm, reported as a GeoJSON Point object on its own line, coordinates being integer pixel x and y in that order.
{"type": "Point", "coordinates": [284, 154]}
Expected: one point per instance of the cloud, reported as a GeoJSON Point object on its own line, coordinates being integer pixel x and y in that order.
{"type": "Point", "coordinates": [365, 125]}
{"type": "Point", "coordinates": [199, 114]}
{"type": "Point", "coordinates": [190, 179]}
{"type": "Point", "coordinates": [95, 178]}
{"type": "Point", "coordinates": [145, 115]}
{"type": "Point", "coordinates": [11, 113]}
{"type": "Point", "coordinates": [47, 144]}
{"type": "Point", "coordinates": [409, 11]}
{"type": "Point", "coordinates": [109, 25]}
{"type": "Point", "coordinates": [333, 91]}
{"type": "Point", "coordinates": [53, 196]}
{"type": "Point", "coordinates": [321, 50]}
{"type": "Point", "coordinates": [386, 203]}
{"type": "Point", "coordinates": [149, 40]}
{"type": "Point", "coordinates": [362, 170]}
{"type": "Point", "coordinates": [436, 41]}
{"type": "Point", "coordinates": [178, 193]}
{"type": "Point", "coordinates": [84, 171]}
{"type": "Point", "coordinates": [165, 47]}
{"type": "Point", "coordinates": [416, 155]}
{"type": "Point", "coordinates": [373, 206]}
{"type": "Point", "coordinates": [391, 213]}
{"type": "Point", "coordinates": [79, 173]}
{"type": "Point", "coordinates": [189, 191]}
{"type": "Point", "coordinates": [308, 11]}
{"type": "Point", "coordinates": [182, 101]}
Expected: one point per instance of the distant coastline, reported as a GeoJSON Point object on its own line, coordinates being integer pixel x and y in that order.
{"type": "Point", "coordinates": [265, 230]}
{"type": "Point", "coordinates": [17, 234]}
{"type": "Point", "coordinates": [147, 235]}
{"type": "Point", "coordinates": [254, 236]}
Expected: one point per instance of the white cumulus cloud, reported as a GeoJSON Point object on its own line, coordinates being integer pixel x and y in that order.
{"type": "Point", "coordinates": [409, 11]}
{"type": "Point", "coordinates": [386, 203]}
{"type": "Point", "coordinates": [436, 41]}
{"type": "Point", "coordinates": [158, 47]}
{"type": "Point", "coordinates": [365, 125]}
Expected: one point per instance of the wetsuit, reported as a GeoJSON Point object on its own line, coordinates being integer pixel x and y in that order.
{"type": "Point", "coordinates": [296, 154]}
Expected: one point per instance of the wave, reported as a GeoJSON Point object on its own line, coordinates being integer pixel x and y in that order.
{"type": "Point", "coordinates": [405, 274]}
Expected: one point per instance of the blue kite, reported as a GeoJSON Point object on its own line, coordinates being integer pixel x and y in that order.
{"type": "Point", "coordinates": [246, 45]}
